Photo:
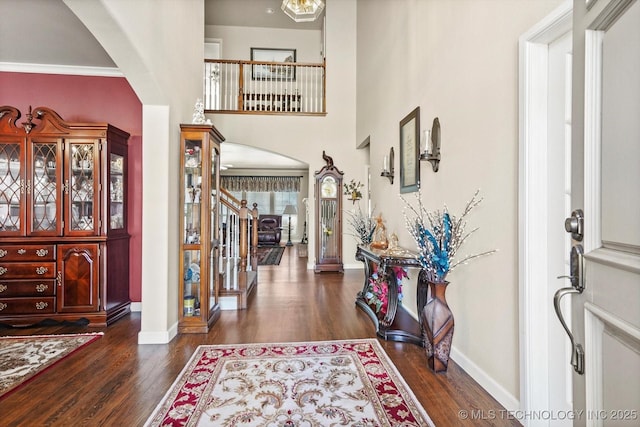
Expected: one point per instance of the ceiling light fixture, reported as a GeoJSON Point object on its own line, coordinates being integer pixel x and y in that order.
{"type": "Point", "coordinates": [303, 10]}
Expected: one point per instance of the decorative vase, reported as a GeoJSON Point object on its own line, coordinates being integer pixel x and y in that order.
{"type": "Point", "coordinates": [437, 327]}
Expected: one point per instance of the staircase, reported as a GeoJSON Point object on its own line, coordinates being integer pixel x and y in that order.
{"type": "Point", "coordinates": [238, 261]}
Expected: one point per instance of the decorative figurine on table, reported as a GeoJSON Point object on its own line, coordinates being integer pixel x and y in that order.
{"type": "Point", "coordinates": [380, 240]}
{"type": "Point", "coordinates": [394, 246]}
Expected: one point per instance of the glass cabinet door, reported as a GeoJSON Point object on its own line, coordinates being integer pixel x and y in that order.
{"type": "Point", "coordinates": [192, 228]}
{"type": "Point", "coordinates": [81, 187]}
{"type": "Point", "coordinates": [191, 292]}
{"type": "Point", "coordinates": [328, 218]}
{"type": "Point", "coordinates": [43, 186]}
{"type": "Point", "coordinates": [192, 192]}
{"type": "Point", "coordinates": [116, 192]}
{"type": "Point", "coordinates": [11, 189]}
{"type": "Point", "coordinates": [214, 230]}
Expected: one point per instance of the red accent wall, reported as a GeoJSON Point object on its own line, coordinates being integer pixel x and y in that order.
{"type": "Point", "coordinates": [91, 99]}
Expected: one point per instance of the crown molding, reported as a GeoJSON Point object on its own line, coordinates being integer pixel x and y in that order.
{"type": "Point", "coordinates": [16, 67]}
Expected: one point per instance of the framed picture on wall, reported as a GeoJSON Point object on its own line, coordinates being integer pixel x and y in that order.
{"type": "Point", "coordinates": [280, 71]}
{"type": "Point", "coordinates": [410, 152]}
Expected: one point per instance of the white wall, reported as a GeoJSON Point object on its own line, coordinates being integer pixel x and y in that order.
{"type": "Point", "coordinates": [457, 60]}
{"type": "Point", "coordinates": [302, 137]}
{"type": "Point", "coordinates": [159, 50]}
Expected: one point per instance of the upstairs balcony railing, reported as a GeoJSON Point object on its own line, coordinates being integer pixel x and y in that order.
{"type": "Point", "coordinates": [257, 87]}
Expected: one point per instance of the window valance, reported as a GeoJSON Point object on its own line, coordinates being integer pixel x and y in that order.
{"type": "Point", "coordinates": [261, 183]}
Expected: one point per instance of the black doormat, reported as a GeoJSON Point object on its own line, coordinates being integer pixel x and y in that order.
{"type": "Point", "coordinates": [270, 255]}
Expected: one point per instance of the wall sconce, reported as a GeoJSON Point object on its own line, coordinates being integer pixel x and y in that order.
{"type": "Point", "coordinates": [431, 143]}
{"type": "Point", "coordinates": [387, 166]}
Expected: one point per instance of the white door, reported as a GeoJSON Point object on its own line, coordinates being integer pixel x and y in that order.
{"type": "Point", "coordinates": [605, 316]}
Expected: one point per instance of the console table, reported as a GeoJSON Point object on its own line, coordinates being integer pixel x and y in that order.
{"type": "Point", "coordinates": [396, 324]}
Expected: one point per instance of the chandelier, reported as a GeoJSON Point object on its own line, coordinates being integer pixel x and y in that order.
{"type": "Point", "coordinates": [303, 10]}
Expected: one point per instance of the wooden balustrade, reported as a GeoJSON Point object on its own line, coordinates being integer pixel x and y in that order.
{"type": "Point", "coordinates": [236, 86]}
{"type": "Point", "coordinates": [239, 242]}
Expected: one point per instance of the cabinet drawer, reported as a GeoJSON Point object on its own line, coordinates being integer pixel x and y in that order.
{"type": "Point", "coordinates": [27, 253]}
{"type": "Point", "coordinates": [27, 305]}
{"type": "Point", "coordinates": [28, 270]}
{"type": "Point", "coordinates": [27, 288]}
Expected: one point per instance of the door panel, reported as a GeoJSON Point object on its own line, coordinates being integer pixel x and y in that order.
{"type": "Point", "coordinates": [78, 278]}
{"type": "Point", "coordinates": [606, 316]}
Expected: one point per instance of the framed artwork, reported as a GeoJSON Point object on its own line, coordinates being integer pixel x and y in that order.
{"type": "Point", "coordinates": [410, 152]}
{"type": "Point", "coordinates": [273, 71]}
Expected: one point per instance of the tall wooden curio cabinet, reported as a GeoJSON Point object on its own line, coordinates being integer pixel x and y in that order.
{"type": "Point", "coordinates": [199, 225]}
{"type": "Point", "coordinates": [64, 244]}
{"type": "Point", "coordinates": [328, 197]}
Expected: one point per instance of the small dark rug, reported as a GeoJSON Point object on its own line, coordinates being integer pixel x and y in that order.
{"type": "Point", "coordinates": [270, 255]}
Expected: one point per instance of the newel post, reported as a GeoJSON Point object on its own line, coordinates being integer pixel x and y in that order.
{"type": "Point", "coordinates": [244, 215]}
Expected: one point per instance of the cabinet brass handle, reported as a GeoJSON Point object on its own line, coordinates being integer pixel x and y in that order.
{"type": "Point", "coordinates": [3, 287]}
{"type": "Point", "coordinates": [2, 306]}
{"type": "Point", "coordinates": [41, 287]}
{"type": "Point", "coordinates": [42, 252]}
{"type": "Point", "coordinates": [41, 305]}
{"type": "Point", "coordinates": [22, 251]}
{"type": "Point", "coordinates": [41, 270]}
{"type": "Point", "coordinates": [3, 253]}
{"type": "Point", "coordinates": [3, 270]}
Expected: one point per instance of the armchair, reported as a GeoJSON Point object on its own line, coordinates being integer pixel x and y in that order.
{"type": "Point", "coordinates": [269, 229]}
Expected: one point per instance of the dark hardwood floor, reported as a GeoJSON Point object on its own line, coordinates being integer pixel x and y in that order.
{"type": "Point", "coordinates": [116, 382]}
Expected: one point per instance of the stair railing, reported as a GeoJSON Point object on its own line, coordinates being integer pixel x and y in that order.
{"type": "Point", "coordinates": [239, 239]}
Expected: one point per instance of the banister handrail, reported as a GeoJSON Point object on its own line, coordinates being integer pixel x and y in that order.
{"type": "Point", "coordinates": [247, 243]}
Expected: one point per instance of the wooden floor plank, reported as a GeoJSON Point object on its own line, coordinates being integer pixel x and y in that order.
{"type": "Point", "coordinates": [116, 382]}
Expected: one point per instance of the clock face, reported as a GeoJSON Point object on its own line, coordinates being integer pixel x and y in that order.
{"type": "Point", "coordinates": [329, 187]}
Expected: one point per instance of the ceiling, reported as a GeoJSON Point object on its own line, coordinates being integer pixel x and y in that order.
{"type": "Point", "coordinates": [25, 23]}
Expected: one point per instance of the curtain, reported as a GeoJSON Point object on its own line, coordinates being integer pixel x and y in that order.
{"type": "Point", "coordinates": [261, 183]}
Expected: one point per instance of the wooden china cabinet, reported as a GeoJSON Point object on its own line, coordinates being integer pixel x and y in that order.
{"type": "Point", "coordinates": [64, 244]}
{"type": "Point", "coordinates": [328, 196]}
{"type": "Point", "coordinates": [199, 225]}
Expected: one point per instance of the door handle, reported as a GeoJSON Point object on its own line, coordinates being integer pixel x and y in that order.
{"type": "Point", "coordinates": [576, 276]}
{"type": "Point", "coordinates": [577, 351]}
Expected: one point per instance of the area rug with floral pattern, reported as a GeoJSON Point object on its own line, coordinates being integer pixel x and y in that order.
{"type": "Point", "coordinates": [323, 383]}
{"type": "Point", "coordinates": [24, 357]}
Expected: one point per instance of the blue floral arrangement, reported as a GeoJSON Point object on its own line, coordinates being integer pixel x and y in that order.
{"type": "Point", "coordinates": [438, 236]}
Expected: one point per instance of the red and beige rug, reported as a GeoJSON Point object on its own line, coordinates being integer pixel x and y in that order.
{"type": "Point", "coordinates": [24, 357]}
{"type": "Point", "coordinates": [323, 383]}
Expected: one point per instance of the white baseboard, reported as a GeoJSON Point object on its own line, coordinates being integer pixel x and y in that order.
{"type": "Point", "coordinates": [498, 392]}
{"type": "Point", "coordinates": [136, 307]}
{"type": "Point", "coordinates": [158, 337]}
{"type": "Point", "coordinates": [355, 266]}
{"type": "Point", "coordinates": [228, 303]}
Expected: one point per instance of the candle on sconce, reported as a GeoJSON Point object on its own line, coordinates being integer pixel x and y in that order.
{"type": "Point", "coordinates": [385, 164]}
{"type": "Point", "coordinates": [426, 138]}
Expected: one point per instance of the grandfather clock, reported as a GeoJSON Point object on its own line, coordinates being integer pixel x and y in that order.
{"type": "Point", "coordinates": [328, 196]}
